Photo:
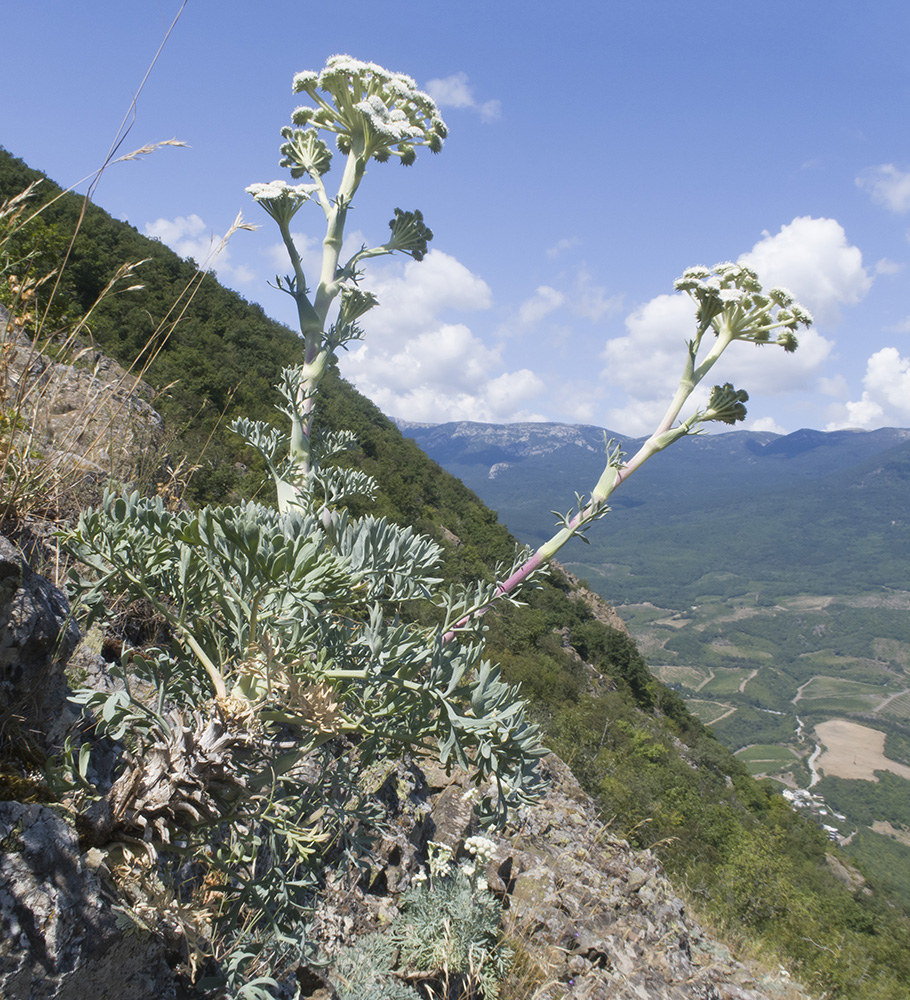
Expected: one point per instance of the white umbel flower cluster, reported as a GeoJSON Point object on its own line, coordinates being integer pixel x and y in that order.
{"type": "Point", "coordinates": [375, 113]}
{"type": "Point", "coordinates": [730, 299]}
{"type": "Point", "coordinates": [280, 199]}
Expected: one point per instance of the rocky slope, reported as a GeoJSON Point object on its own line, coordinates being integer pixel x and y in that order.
{"type": "Point", "coordinates": [91, 415]}
{"type": "Point", "coordinates": [597, 919]}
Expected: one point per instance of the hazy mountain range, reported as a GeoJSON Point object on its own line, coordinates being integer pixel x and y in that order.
{"type": "Point", "coordinates": [827, 511]}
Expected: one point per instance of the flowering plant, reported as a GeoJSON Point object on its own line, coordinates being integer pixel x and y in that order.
{"type": "Point", "coordinates": [731, 306]}
{"type": "Point", "coordinates": [286, 663]}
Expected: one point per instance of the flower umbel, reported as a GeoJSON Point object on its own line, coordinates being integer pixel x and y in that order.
{"type": "Point", "coordinates": [280, 199]}
{"type": "Point", "coordinates": [373, 112]}
{"type": "Point", "coordinates": [730, 301]}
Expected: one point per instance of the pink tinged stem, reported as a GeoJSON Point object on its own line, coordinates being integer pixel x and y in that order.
{"type": "Point", "coordinates": [664, 435]}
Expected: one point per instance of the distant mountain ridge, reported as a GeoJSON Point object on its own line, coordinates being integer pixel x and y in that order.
{"type": "Point", "coordinates": [769, 503]}
{"type": "Point", "coordinates": [474, 443]}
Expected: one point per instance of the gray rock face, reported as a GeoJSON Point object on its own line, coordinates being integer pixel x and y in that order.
{"type": "Point", "coordinates": [36, 637]}
{"type": "Point", "coordinates": [59, 936]}
{"type": "Point", "coordinates": [94, 419]}
{"type": "Point", "coordinates": [598, 919]}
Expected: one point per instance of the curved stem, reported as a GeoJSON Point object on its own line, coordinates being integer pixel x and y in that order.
{"type": "Point", "coordinates": [613, 476]}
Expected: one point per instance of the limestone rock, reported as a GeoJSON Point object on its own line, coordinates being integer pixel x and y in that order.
{"type": "Point", "coordinates": [36, 637]}
{"type": "Point", "coordinates": [59, 936]}
{"type": "Point", "coordinates": [93, 416]}
{"type": "Point", "coordinates": [599, 920]}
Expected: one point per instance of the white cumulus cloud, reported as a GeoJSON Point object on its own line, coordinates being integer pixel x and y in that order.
{"type": "Point", "coordinates": [765, 424]}
{"type": "Point", "coordinates": [813, 259]}
{"type": "Point", "coordinates": [809, 256]}
{"type": "Point", "coordinates": [542, 302]}
{"type": "Point", "coordinates": [189, 236]}
{"type": "Point", "coordinates": [887, 266]}
{"type": "Point", "coordinates": [888, 186]}
{"type": "Point", "coordinates": [886, 396]}
{"type": "Point", "coordinates": [418, 364]}
{"type": "Point", "coordinates": [456, 92]}
{"type": "Point", "coordinates": [647, 362]}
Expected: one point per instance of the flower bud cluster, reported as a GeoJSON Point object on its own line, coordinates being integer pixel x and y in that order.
{"type": "Point", "coordinates": [373, 112]}
{"type": "Point", "coordinates": [409, 234]}
{"type": "Point", "coordinates": [730, 300]}
{"type": "Point", "coordinates": [727, 405]}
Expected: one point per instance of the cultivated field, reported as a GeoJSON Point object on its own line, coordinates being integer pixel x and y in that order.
{"type": "Point", "coordinates": [854, 751]}
{"type": "Point", "coordinates": [709, 712]}
{"type": "Point", "coordinates": [768, 759]}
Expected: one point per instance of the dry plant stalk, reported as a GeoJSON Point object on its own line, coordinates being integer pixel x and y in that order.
{"type": "Point", "coordinates": [46, 481]}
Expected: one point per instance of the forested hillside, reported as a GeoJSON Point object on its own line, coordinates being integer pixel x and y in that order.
{"type": "Point", "coordinates": [735, 847]}
{"type": "Point", "coordinates": [764, 578]}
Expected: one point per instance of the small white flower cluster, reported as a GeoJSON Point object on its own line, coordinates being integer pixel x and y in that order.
{"type": "Point", "coordinates": [280, 199]}
{"type": "Point", "coordinates": [441, 862]}
{"type": "Point", "coordinates": [481, 848]}
{"type": "Point", "coordinates": [280, 189]}
{"type": "Point", "coordinates": [390, 123]}
{"type": "Point", "coordinates": [731, 295]}
{"type": "Point", "coordinates": [379, 113]}
{"type": "Point", "coordinates": [440, 859]}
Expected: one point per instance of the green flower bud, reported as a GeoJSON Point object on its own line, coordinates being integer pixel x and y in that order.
{"type": "Point", "coordinates": [354, 303]}
{"type": "Point", "coordinates": [787, 340]}
{"type": "Point", "coordinates": [409, 234]}
{"type": "Point", "coordinates": [305, 152]}
{"type": "Point", "coordinates": [302, 115]}
{"type": "Point", "coordinates": [726, 404]}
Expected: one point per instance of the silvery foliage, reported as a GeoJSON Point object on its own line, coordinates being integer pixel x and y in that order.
{"type": "Point", "coordinates": [447, 936]}
{"type": "Point", "coordinates": [291, 664]}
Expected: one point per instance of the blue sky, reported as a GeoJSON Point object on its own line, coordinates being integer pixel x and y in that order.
{"type": "Point", "coordinates": [594, 153]}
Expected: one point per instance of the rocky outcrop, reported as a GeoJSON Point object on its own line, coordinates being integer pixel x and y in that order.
{"type": "Point", "coordinates": [603, 612]}
{"type": "Point", "coordinates": [61, 935]}
{"type": "Point", "coordinates": [36, 637]}
{"type": "Point", "coordinates": [91, 415]}
{"type": "Point", "coordinates": [594, 919]}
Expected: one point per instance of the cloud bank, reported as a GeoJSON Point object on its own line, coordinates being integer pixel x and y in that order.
{"type": "Point", "coordinates": [885, 401]}
{"type": "Point", "coordinates": [887, 186]}
{"type": "Point", "coordinates": [811, 257]}
{"type": "Point", "coordinates": [419, 364]}
{"type": "Point", "coordinates": [189, 236]}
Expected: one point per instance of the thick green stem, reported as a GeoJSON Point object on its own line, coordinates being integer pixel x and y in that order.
{"type": "Point", "coordinates": [210, 668]}
{"type": "Point", "coordinates": [613, 476]}
{"type": "Point", "coordinates": [354, 170]}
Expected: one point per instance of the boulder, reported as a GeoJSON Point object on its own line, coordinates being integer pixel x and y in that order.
{"type": "Point", "coordinates": [36, 638]}
{"type": "Point", "coordinates": [60, 935]}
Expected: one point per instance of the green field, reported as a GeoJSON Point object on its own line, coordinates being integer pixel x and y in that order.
{"type": "Point", "coordinates": [684, 677]}
{"type": "Point", "coordinates": [898, 709]}
{"type": "Point", "coordinates": [832, 694]}
{"type": "Point", "coordinates": [768, 759]}
{"type": "Point", "coordinates": [727, 681]}
{"type": "Point", "coordinates": [708, 712]}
